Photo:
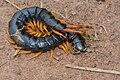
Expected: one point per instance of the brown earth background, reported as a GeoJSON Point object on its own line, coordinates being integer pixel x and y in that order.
{"type": "Point", "coordinates": [89, 12]}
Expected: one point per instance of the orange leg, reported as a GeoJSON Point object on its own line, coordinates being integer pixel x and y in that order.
{"type": "Point", "coordinates": [30, 24]}
{"type": "Point", "coordinates": [25, 52]}
{"type": "Point", "coordinates": [34, 23]}
{"type": "Point", "coordinates": [63, 21]}
{"type": "Point", "coordinates": [72, 31]}
{"type": "Point", "coordinates": [10, 41]}
{"type": "Point", "coordinates": [7, 31]}
{"type": "Point", "coordinates": [38, 34]}
{"type": "Point", "coordinates": [17, 47]}
{"type": "Point", "coordinates": [55, 15]}
{"type": "Point", "coordinates": [36, 55]}
{"type": "Point", "coordinates": [66, 47]}
{"type": "Point", "coordinates": [51, 55]}
{"type": "Point", "coordinates": [58, 33]}
{"type": "Point", "coordinates": [41, 28]}
{"type": "Point", "coordinates": [44, 27]}
{"type": "Point", "coordinates": [39, 25]}
{"type": "Point", "coordinates": [31, 32]}
{"type": "Point", "coordinates": [63, 48]}
{"type": "Point", "coordinates": [79, 27]}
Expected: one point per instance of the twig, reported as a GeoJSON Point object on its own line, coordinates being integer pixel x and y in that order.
{"type": "Point", "coordinates": [93, 69]}
{"type": "Point", "coordinates": [16, 53]}
{"type": "Point", "coordinates": [41, 4]}
{"type": "Point", "coordinates": [66, 13]}
{"type": "Point", "coordinates": [56, 58]}
{"type": "Point", "coordinates": [104, 29]}
{"type": "Point", "coordinates": [3, 64]}
{"type": "Point", "coordinates": [95, 33]}
{"type": "Point", "coordinates": [13, 4]}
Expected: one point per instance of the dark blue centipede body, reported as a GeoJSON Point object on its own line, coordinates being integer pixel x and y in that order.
{"type": "Point", "coordinates": [41, 44]}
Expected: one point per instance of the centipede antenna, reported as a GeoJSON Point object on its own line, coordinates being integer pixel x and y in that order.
{"type": "Point", "coordinates": [13, 4]}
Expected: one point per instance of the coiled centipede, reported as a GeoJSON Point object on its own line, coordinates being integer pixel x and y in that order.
{"type": "Point", "coordinates": [37, 30]}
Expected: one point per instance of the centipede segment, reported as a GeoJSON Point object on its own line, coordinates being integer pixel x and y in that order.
{"type": "Point", "coordinates": [35, 29]}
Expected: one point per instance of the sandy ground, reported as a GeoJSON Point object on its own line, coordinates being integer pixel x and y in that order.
{"type": "Point", "coordinates": [107, 53]}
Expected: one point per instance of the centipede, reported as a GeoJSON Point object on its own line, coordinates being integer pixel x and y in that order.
{"type": "Point", "coordinates": [38, 30]}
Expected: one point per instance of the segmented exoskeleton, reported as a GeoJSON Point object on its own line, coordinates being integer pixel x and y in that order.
{"type": "Point", "coordinates": [22, 37]}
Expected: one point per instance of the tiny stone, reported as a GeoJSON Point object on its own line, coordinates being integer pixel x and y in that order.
{"type": "Point", "coordinates": [1, 47]}
{"type": "Point", "coordinates": [58, 53]}
{"type": "Point", "coordinates": [57, 58]}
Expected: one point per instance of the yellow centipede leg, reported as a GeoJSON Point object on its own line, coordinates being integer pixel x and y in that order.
{"type": "Point", "coordinates": [55, 15]}
{"type": "Point", "coordinates": [34, 23]}
{"type": "Point", "coordinates": [63, 48]}
{"type": "Point", "coordinates": [74, 27]}
{"type": "Point", "coordinates": [17, 47]}
{"type": "Point", "coordinates": [63, 21]}
{"type": "Point", "coordinates": [51, 55]}
{"type": "Point", "coordinates": [46, 30]}
{"type": "Point", "coordinates": [31, 32]}
{"type": "Point", "coordinates": [38, 34]}
{"type": "Point", "coordinates": [67, 44]}
{"type": "Point", "coordinates": [79, 27]}
{"type": "Point", "coordinates": [41, 28]}
{"type": "Point", "coordinates": [38, 26]}
{"type": "Point", "coordinates": [66, 47]}
{"type": "Point", "coordinates": [36, 55]}
{"type": "Point", "coordinates": [73, 31]}
{"type": "Point", "coordinates": [7, 31]}
{"type": "Point", "coordinates": [25, 52]}
{"type": "Point", "coordinates": [10, 41]}
{"type": "Point", "coordinates": [60, 34]}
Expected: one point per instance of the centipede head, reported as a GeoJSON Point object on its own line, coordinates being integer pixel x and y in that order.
{"type": "Point", "coordinates": [79, 44]}
{"type": "Point", "coordinates": [79, 47]}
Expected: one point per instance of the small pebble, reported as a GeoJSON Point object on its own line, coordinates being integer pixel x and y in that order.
{"type": "Point", "coordinates": [1, 47]}
{"type": "Point", "coordinates": [57, 58]}
{"type": "Point", "coordinates": [58, 53]}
